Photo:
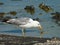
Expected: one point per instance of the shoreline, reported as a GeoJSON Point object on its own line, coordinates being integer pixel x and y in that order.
{"type": "Point", "coordinates": [20, 40]}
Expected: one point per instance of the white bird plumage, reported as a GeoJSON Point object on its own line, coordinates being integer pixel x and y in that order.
{"type": "Point", "coordinates": [25, 23]}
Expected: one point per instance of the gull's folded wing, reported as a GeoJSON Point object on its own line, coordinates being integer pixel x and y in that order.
{"type": "Point", "coordinates": [20, 21]}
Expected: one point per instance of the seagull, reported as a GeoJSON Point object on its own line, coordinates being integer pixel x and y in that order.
{"type": "Point", "coordinates": [24, 23]}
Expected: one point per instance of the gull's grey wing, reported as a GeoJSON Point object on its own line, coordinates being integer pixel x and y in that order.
{"type": "Point", "coordinates": [20, 21]}
{"type": "Point", "coordinates": [23, 19]}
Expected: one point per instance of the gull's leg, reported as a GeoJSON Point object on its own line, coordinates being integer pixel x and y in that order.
{"type": "Point", "coordinates": [41, 34]}
{"type": "Point", "coordinates": [23, 32]}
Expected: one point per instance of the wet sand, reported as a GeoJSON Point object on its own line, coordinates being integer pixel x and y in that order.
{"type": "Point", "coordinates": [20, 40]}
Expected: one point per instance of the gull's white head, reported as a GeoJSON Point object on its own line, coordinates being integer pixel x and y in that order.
{"type": "Point", "coordinates": [38, 25]}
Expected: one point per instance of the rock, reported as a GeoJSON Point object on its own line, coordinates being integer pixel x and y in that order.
{"type": "Point", "coordinates": [45, 7]}
{"type": "Point", "coordinates": [30, 9]}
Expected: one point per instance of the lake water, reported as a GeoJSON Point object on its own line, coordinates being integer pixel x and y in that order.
{"type": "Point", "coordinates": [49, 26]}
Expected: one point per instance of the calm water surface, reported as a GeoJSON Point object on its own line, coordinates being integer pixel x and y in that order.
{"type": "Point", "coordinates": [52, 29]}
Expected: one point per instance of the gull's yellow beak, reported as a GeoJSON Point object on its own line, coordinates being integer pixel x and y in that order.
{"type": "Point", "coordinates": [40, 27]}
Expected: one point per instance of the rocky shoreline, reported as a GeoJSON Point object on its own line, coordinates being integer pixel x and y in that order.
{"type": "Point", "coordinates": [20, 40]}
